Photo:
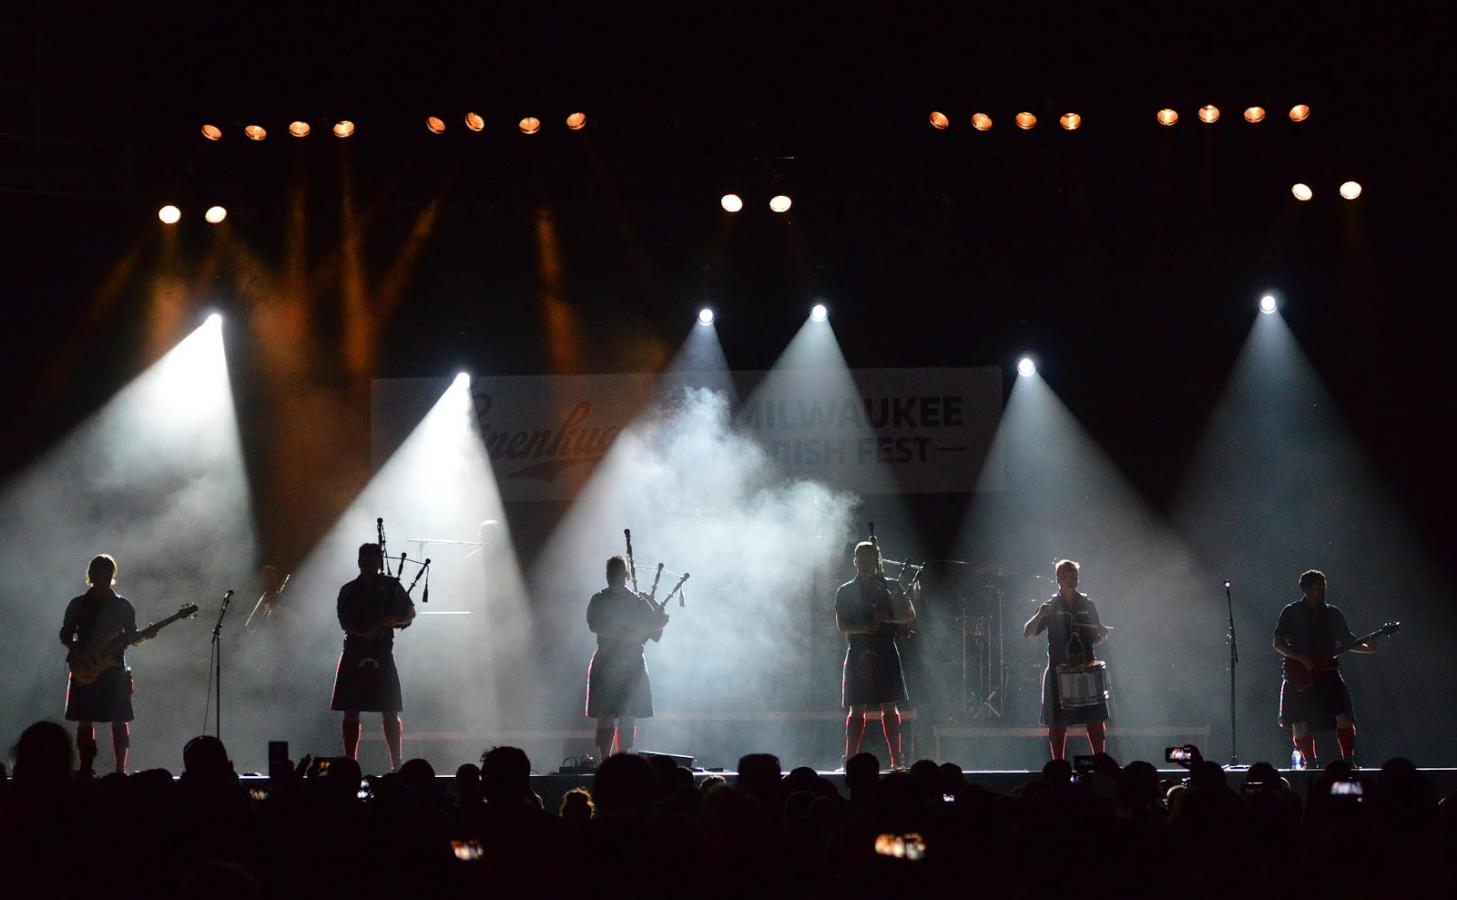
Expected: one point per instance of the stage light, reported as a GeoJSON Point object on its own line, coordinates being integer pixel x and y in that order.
{"type": "Point", "coordinates": [939, 121]}
{"type": "Point", "coordinates": [1301, 191]}
{"type": "Point", "coordinates": [462, 379]}
{"type": "Point", "coordinates": [1268, 304]}
{"type": "Point", "coordinates": [255, 132]}
{"type": "Point", "coordinates": [343, 128]}
{"type": "Point", "coordinates": [435, 125]}
{"type": "Point", "coordinates": [1026, 121]}
{"type": "Point", "coordinates": [1209, 113]}
{"type": "Point", "coordinates": [780, 203]}
{"type": "Point", "coordinates": [1026, 367]}
{"type": "Point", "coordinates": [731, 202]}
{"type": "Point", "coordinates": [215, 214]}
{"type": "Point", "coordinates": [577, 121]}
{"type": "Point", "coordinates": [981, 122]}
{"type": "Point", "coordinates": [474, 121]}
{"type": "Point", "coordinates": [1299, 112]}
{"type": "Point", "coordinates": [212, 132]}
{"type": "Point", "coordinates": [819, 313]}
{"type": "Point", "coordinates": [1255, 114]}
{"type": "Point", "coordinates": [705, 316]}
{"type": "Point", "coordinates": [299, 128]}
{"type": "Point", "coordinates": [169, 214]}
{"type": "Point", "coordinates": [1351, 190]}
{"type": "Point", "coordinates": [1167, 116]}
{"type": "Point", "coordinates": [215, 320]}
{"type": "Point", "coordinates": [1071, 121]}
{"type": "Point", "coordinates": [529, 125]}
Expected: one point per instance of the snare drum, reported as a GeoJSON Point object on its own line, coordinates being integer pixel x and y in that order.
{"type": "Point", "coordinates": [1082, 685]}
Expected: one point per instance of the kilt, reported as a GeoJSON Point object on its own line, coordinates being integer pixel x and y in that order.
{"type": "Point", "coordinates": [367, 681]}
{"type": "Point", "coordinates": [618, 686]}
{"type": "Point", "coordinates": [872, 674]}
{"type": "Point", "coordinates": [1053, 715]}
{"type": "Point", "coordinates": [107, 699]}
{"type": "Point", "coordinates": [1317, 705]}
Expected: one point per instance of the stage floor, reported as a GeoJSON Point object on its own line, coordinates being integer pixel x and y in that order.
{"type": "Point", "coordinates": [552, 787]}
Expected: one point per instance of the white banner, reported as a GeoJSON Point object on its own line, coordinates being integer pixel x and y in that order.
{"type": "Point", "coordinates": [880, 431]}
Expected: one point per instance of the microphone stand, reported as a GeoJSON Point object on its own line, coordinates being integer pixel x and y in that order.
{"type": "Point", "coordinates": [217, 656]}
{"type": "Point", "coordinates": [1233, 661]}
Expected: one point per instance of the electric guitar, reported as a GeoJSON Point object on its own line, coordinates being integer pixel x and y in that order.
{"type": "Point", "coordinates": [1302, 678]}
{"type": "Point", "coordinates": [91, 663]}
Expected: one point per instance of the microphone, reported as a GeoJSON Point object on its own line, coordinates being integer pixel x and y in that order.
{"type": "Point", "coordinates": [1226, 584]}
{"type": "Point", "coordinates": [227, 597]}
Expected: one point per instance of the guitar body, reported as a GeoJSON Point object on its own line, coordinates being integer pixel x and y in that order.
{"type": "Point", "coordinates": [90, 663]}
{"type": "Point", "coordinates": [1303, 679]}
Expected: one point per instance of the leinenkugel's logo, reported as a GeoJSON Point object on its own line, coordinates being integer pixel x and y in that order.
{"type": "Point", "coordinates": [545, 453]}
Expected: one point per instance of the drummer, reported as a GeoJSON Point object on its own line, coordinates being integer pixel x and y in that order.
{"type": "Point", "coordinates": [1071, 622]}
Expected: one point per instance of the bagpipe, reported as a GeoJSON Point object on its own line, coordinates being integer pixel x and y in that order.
{"type": "Point", "coordinates": [902, 591]}
{"type": "Point", "coordinates": [652, 594]}
{"type": "Point", "coordinates": [397, 574]}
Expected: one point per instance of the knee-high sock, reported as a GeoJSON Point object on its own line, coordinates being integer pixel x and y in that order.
{"type": "Point", "coordinates": [86, 746]}
{"type": "Point", "coordinates": [1098, 736]}
{"type": "Point", "coordinates": [1346, 740]}
{"type": "Point", "coordinates": [1057, 741]}
{"type": "Point", "coordinates": [394, 739]}
{"type": "Point", "coordinates": [1306, 746]}
{"type": "Point", "coordinates": [121, 741]}
{"type": "Point", "coordinates": [854, 733]}
{"type": "Point", "coordinates": [890, 725]}
{"type": "Point", "coordinates": [351, 738]}
{"type": "Point", "coordinates": [604, 739]}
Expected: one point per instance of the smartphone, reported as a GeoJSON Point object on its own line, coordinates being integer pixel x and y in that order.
{"type": "Point", "coordinates": [466, 851]}
{"type": "Point", "coordinates": [277, 753]}
{"type": "Point", "coordinates": [365, 792]}
{"type": "Point", "coordinates": [901, 846]}
{"type": "Point", "coordinates": [1347, 788]}
{"type": "Point", "coordinates": [1082, 764]}
{"type": "Point", "coordinates": [258, 793]}
{"type": "Point", "coordinates": [948, 798]}
{"type": "Point", "coordinates": [321, 765]}
{"type": "Point", "coordinates": [1179, 755]}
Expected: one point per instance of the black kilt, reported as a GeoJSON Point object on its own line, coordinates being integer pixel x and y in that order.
{"type": "Point", "coordinates": [107, 699]}
{"type": "Point", "coordinates": [1053, 715]}
{"type": "Point", "coordinates": [618, 686]}
{"type": "Point", "coordinates": [367, 681]}
{"type": "Point", "coordinates": [872, 673]}
{"type": "Point", "coordinates": [1317, 705]}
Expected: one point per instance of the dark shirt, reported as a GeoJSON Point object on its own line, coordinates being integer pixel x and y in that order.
{"type": "Point", "coordinates": [91, 620]}
{"type": "Point", "coordinates": [856, 604]}
{"type": "Point", "coordinates": [621, 620]}
{"type": "Point", "coordinates": [363, 603]}
{"type": "Point", "coordinates": [1315, 632]}
{"type": "Point", "coordinates": [1066, 644]}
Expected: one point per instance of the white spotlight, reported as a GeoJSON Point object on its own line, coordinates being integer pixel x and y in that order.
{"type": "Point", "coordinates": [462, 379]}
{"type": "Point", "coordinates": [170, 215]}
{"type": "Point", "coordinates": [215, 214]}
{"type": "Point", "coordinates": [1026, 367]}
{"type": "Point", "coordinates": [731, 202]}
{"type": "Point", "coordinates": [705, 316]}
{"type": "Point", "coordinates": [1301, 191]}
{"type": "Point", "coordinates": [1268, 304]}
{"type": "Point", "coordinates": [1351, 190]}
{"type": "Point", "coordinates": [780, 203]}
{"type": "Point", "coordinates": [819, 313]}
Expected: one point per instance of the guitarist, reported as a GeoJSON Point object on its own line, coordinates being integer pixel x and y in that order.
{"type": "Point", "coordinates": [1310, 633]}
{"type": "Point", "coordinates": [90, 619]}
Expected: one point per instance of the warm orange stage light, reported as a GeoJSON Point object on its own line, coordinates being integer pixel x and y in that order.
{"type": "Point", "coordinates": [474, 121]}
{"type": "Point", "coordinates": [343, 128]}
{"type": "Point", "coordinates": [577, 121]}
{"type": "Point", "coordinates": [255, 132]}
{"type": "Point", "coordinates": [435, 125]}
{"type": "Point", "coordinates": [529, 125]}
{"type": "Point", "coordinates": [939, 121]}
{"type": "Point", "coordinates": [212, 132]}
{"type": "Point", "coordinates": [299, 128]}
{"type": "Point", "coordinates": [1299, 112]}
{"type": "Point", "coordinates": [981, 122]}
{"type": "Point", "coordinates": [1026, 121]}
{"type": "Point", "coordinates": [1167, 116]}
{"type": "Point", "coordinates": [1209, 114]}
{"type": "Point", "coordinates": [1255, 114]}
{"type": "Point", "coordinates": [1071, 121]}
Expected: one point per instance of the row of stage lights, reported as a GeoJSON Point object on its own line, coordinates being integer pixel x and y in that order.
{"type": "Point", "coordinates": [171, 215]}
{"type": "Point", "coordinates": [779, 203]}
{"type": "Point", "coordinates": [819, 313]}
{"type": "Point", "coordinates": [433, 124]}
{"type": "Point", "coordinates": [1071, 121]}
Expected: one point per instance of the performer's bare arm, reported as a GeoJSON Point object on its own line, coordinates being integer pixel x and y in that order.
{"type": "Point", "coordinates": [1283, 648]}
{"type": "Point", "coordinates": [1034, 624]}
{"type": "Point", "coordinates": [846, 628]}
